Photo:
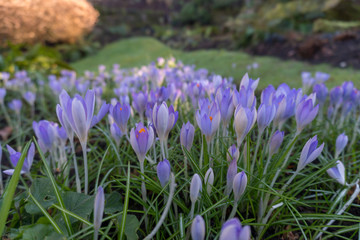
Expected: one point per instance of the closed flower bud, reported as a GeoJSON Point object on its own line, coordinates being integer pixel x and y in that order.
{"type": "Point", "coordinates": [164, 119]}
{"type": "Point", "coordinates": [232, 230]}
{"type": "Point", "coordinates": [239, 185]}
{"type": "Point", "coordinates": [265, 115]}
{"type": "Point", "coordinates": [198, 228]}
{"type": "Point", "coordinates": [195, 188]}
{"type": "Point", "coordinates": [163, 172]}
{"type": "Point", "coordinates": [244, 120]}
{"type": "Point", "coordinates": [187, 135]}
{"type": "Point", "coordinates": [338, 172]}
{"type": "Point", "coordinates": [233, 153]}
{"type": "Point", "coordinates": [309, 153]}
{"type": "Point", "coordinates": [209, 180]}
{"type": "Point", "coordinates": [305, 113]}
{"type": "Point", "coordinates": [341, 142]}
{"type": "Point", "coordinates": [275, 142]}
{"type": "Point", "coordinates": [99, 208]}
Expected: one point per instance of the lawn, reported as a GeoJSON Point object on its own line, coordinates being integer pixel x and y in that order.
{"type": "Point", "coordinates": [138, 51]}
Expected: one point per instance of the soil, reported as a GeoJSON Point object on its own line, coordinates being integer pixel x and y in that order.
{"type": "Point", "coordinates": [339, 49]}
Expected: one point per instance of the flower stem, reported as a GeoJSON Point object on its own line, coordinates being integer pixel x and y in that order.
{"type": "Point", "coordinates": [86, 171]}
{"type": "Point", "coordinates": [166, 210]}
{"type": "Point", "coordinates": [233, 211]}
{"type": "Point", "coordinates": [143, 191]}
{"type": "Point", "coordinates": [77, 178]}
{"type": "Point", "coordinates": [7, 117]}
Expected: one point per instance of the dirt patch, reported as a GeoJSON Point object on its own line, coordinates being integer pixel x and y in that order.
{"type": "Point", "coordinates": [340, 49]}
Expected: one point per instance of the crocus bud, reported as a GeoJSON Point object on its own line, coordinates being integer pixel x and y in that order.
{"type": "Point", "coordinates": [30, 97]}
{"type": "Point", "coordinates": [139, 102]}
{"type": "Point", "coordinates": [224, 100]}
{"type": "Point", "coordinates": [233, 153]}
{"type": "Point", "coordinates": [163, 172]}
{"type": "Point", "coordinates": [209, 180]}
{"type": "Point", "coordinates": [116, 133]}
{"type": "Point", "coordinates": [15, 105]}
{"type": "Point", "coordinates": [195, 188]}
{"type": "Point", "coordinates": [239, 185]}
{"type": "Point", "coordinates": [232, 230]}
{"type": "Point", "coordinates": [164, 119]}
{"type": "Point", "coordinates": [198, 228]}
{"type": "Point", "coordinates": [341, 142]}
{"type": "Point", "coordinates": [141, 139]}
{"type": "Point", "coordinates": [187, 135]}
{"type": "Point", "coordinates": [45, 134]}
{"type": "Point", "coordinates": [275, 142]}
{"type": "Point", "coordinates": [99, 208]}
{"type": "Point", "coordinates": [265, 115]}
{"type": "Point", "coordinates": [338, 172]}
{"type": "Point", "coordinates": [309, 153]}
{"type": "Point", "coordinates": [305, 113]}
{"type": "Point", "coordinates": [244, 120]}
{"type": "Point", "coordinates": [2, 95]}
{"type": "Point", "coordinates": [232, 170]}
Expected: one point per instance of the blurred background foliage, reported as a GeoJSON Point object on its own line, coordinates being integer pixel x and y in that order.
{"type": "Point", "coordinates": [322, 31]}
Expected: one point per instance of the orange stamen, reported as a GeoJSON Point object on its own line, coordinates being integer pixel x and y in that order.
{"type": "Point", "coordinates": [142, 130]}
{"type": "Point", "coordinates": [121, 109]}
{"type": "Point", "coordinates": [198, 85]}
{"type": "Point", "coordinates": [211, 118]}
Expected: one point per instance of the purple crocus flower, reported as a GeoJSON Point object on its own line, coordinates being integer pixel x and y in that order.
{"type": "Point", "coordinates": [30, 97]}
{"type": "Point", "coordinates": [265, 115]}
{"type": "Point", "coordinates": [348, 88]}
{"type": "Point", "coordinates": [15, 157]}
{"type": "Point", "coordinates": [2, 95]}
{"type": "Point", "coordinates": [305, 113]}
{"type": "Point", "coordinates": [239, 185]}
{"type": "Point", "coordinates": [336, 95]}
{"type": "Point", "coordinates": [244, 97]}
{"type": "Point", "coordinates": [321, 77]}
{"type": "Point", "coordinates": [195, 188]}
{"type": "Point", "coordinates": [341, 142]}
{"type": "Point", "coordinates": [198, 228]}
{"type": "Point", "coordinates": [187, 135]}
{"type": "Point", "coordinates": [99, 205]}
{"type": "Point", "coordinates": [141, 139]}
{"type": "Point", "coordinates": [232, 230]}
{"type": "Point", "coordinates": [321, 93]}
{"type": "Point", "coordinates": [139, 102]}
{"type": "Point", "coordinates": [267, 95]}
{"type": "Point", "coordinates": [45, 134]}
{"type": "Point", "coordinates": [338, 173]}
{"type": "Point", "coordinates": [209, 180]}
{"type": "Point", "coordinates": [224, 100]}
{"type": "Point", "coordinates": [120, 114]}
{"type": "Point", "coordinates": [243, 122]}
{"type": "Point", "coordinates": [116, 133]}
{"type": "Point", "coordinates": [79, 113]}
{"type": "Point", "coordinates": [275, 142]}
{"type": "Point", "coordinates": [232, 170]}
{"type": "Point", "coordinates": [208, 120]}
{"type": "Point", "coordinates": [285, 108]}
{"type": "Point", "coordinates": [164, 119]}
{"type": "Point", "coordinates": [163, 170]}
{"type": "Point", "coordinates": [249, 83]}
{"type": "Point", "coordinates": [233, 153]}
{"type": "Point", "coordinates": [15, 105]}
{"type": "Point", "coordinates": [309, 153]}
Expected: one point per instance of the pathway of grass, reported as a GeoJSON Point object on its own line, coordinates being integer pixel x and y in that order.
{"type": "Point", "coordinates": [139, 51]}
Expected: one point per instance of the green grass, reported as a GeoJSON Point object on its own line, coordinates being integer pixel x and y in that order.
{"type": "Point", "coordinates": [135, 52]}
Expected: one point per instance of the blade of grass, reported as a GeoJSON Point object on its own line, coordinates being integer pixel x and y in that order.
{"type": "Point", "coordinates": [10, 190]}
{"type": "Point", "coordinates": [56, 190]}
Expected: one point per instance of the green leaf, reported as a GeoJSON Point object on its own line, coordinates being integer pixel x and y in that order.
{"type": "Point", "coordinates": [132, 224]}
{"type": "Point", "coordinates": [44, 193]}
{"type": "Point", "coordinates": [113, 203]}
{"type": "Point", "coordinates": [10, 190]}
{"type": "Point", "coordinates": [41, 232]}
{"type": "Point", "coordinates": [78, 203]}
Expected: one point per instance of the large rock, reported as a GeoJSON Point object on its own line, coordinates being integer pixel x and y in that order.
{"type": "Point", "coordinates": [32, 21]}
